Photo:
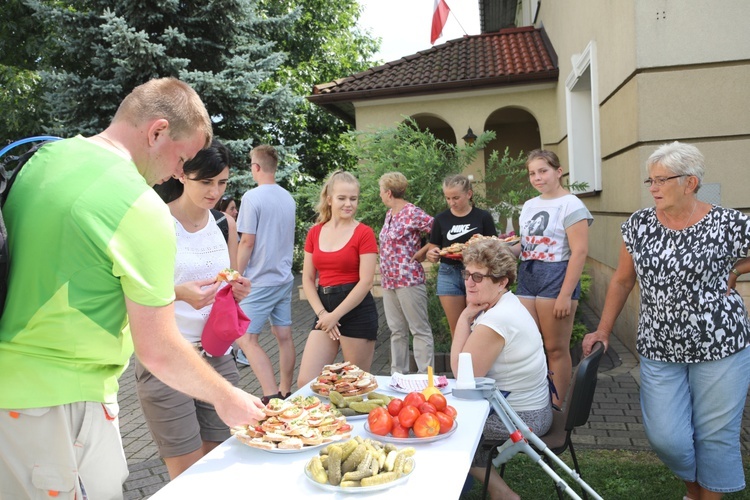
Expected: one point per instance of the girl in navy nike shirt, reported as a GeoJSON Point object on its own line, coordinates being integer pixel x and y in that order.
{"type": "Point", "coordinates": [460, 222]}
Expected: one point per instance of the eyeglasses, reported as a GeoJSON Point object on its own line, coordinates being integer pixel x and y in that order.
{"type": "Point", "coordinates": [477, 277]}
{"type": "Point", "coordinates": [660, 181]}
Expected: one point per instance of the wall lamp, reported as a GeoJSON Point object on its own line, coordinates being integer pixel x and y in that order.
{"type": "Point", "coordinates": [470, 137]}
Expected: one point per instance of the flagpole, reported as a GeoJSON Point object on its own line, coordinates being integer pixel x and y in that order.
{"type": "Point", "coordinates": [456, 18]}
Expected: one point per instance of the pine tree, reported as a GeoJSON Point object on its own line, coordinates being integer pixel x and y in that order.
{"type": "Point", "coordinates": [217, 46]}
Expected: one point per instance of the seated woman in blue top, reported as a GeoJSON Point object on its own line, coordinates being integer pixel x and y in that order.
{"type": "Point", "coordinates": [505, 345]}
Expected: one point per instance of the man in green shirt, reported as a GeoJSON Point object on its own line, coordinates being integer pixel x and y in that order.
{"type": "Point", "coordinates": [91, 280]}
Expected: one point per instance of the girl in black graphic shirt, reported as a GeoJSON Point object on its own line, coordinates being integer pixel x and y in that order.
{"type": "Point", "coordinates": [460, 222]}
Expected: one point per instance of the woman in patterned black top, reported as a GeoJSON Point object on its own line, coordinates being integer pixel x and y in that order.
{"type": "Point", "coordinates": [693, 330]}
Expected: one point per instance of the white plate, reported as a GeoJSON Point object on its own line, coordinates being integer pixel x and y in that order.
{"type": "Point", "coordinates": [411, 440]}
{"type": "Point", "coordinates": [282, 451]}
{"type": "Point", "coordinates": [418, 377]}
{"type": "Point", "coordinates": [358, 416]}
{"type": "Point", "coordinates": [360, 489]}
{"type": "Point", "coordinates": [326, 396]}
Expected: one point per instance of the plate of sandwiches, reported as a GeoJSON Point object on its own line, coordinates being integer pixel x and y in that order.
{"type": "Point", "coordinates": [295, 425]}
{"type": "Point", "coordinates": [345, 378]}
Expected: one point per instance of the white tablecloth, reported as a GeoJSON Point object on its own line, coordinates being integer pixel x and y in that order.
{"type": "Point", "coordinates": [234, 470]}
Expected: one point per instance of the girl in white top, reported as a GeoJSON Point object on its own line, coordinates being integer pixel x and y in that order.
{"type": "Point", "coordinates": [553, 248]}
{"type": "Point", "coordinates": [505, 345]}
{"type": "Point", "coordinates": [183, 428]}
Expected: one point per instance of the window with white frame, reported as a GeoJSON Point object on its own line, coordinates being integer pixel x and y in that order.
{"type": "Point", "coordinates": [582, 99]}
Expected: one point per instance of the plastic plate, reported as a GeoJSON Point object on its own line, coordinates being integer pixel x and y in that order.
{"type": "Point", "coordinates": [283, 451]}
{"type": "Point", "coordinates": [359, 489]}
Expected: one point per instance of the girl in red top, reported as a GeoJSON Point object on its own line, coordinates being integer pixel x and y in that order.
{"type": "Point", "coordinates": [342, 253]}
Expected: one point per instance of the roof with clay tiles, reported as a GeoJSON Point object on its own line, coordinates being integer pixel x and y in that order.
{"type": "Point", "coordinates": [510, 56]}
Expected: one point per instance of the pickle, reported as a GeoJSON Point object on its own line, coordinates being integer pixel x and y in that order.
{"type": "Point", "coordinates": [363, 407]}
{"type": "Point", "coordinates": [348, 448]}
{"type": "Point", "coordinates": [347, 412]}
{"type": "Point", "coordinates": [337, 399]}
{"type": "Point", "coordinates": [334, 465]}
{"type": "Point", "coordinates": [354, 459]}
{"type": "Point", "coordinates": [374, 466]}
{"type": "Point", "coordinates": [366, 462]}
{"type": "Point", "coordinates": [382, 478]}
{"type": "Point", "coordinates": [317, 470]}
{"type": "Point", "coordinates": [399, 463]}
{"type": "Point", "coordinates": [390, 460]}
{"type": "Point", "coordinates": [382, 397]}
{"type": "Point", "coordinates": [353, 399]}
{"type": "Point", "coordinates": [350, 484]}
{"type": "Point", "coordinates": [356, 475]}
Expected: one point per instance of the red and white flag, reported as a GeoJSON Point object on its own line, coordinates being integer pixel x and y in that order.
{"type": "Point", "coordinates": [439, 17]}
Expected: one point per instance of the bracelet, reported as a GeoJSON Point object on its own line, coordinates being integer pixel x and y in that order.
{"type": "Point", "coordinates": [321, 312]}
{"type": "Point", "coordinates": [736, 272]}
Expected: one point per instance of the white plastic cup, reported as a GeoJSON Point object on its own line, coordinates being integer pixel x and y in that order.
{"type": "Point", "coordinates": [465, 378]}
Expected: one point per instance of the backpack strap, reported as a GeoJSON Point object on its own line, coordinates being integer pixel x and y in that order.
{"type": "Point", "coordinates": [221, 221]}
{"type": "Point", "coordinates": [12, 164]}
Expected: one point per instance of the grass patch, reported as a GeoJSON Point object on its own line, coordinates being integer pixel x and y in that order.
{"type": "Point", "coordinates": [613, 474]}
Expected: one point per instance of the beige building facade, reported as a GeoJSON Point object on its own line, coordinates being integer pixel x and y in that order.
{"type": "Point", "coordinates": [631, 75]}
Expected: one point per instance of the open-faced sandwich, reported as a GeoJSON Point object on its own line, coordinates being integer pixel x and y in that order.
{"type": "Point", "coordinates": [295, 423]}
{"type": "Point", "coordinates": [344, 378]}
{"type": "Point", "coordinates": [454, 249]}
{"type": "Point", "coordinates": [227, 275]}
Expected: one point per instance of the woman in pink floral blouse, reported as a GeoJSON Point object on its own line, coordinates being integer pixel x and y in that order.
{"type": "Point", "coordinates": [402, 276]}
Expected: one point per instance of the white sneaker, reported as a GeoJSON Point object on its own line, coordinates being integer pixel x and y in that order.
{"type": "Point", "coordinates": [241, 358]}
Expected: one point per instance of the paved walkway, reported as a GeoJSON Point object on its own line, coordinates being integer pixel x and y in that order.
{"type": "Point", "coordinates": [615, 421]}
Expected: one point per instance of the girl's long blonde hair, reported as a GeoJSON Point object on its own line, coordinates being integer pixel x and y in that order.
{"type": "Point", "coordinates": [324, 209]}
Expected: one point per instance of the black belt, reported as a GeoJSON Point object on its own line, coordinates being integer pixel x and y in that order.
{"type": "Point", "coordinates": [327, 290]}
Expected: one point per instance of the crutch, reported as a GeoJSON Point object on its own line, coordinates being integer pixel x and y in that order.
{"type": "Point", "coordinates": [521, 436]}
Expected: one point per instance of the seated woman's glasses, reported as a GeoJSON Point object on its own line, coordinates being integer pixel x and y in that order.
{"type": "Point", "coordinates": [477, 277]}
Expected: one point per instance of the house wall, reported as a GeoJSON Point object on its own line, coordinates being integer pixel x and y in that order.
{"type": "Point", "coordinates": [663, 75]}
{"type": "Point", "coordinates": [665, 70]}
{"type": "Point", "coordinates": [462, 110]}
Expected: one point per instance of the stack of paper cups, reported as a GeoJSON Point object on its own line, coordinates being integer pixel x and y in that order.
{"type": "Point", "coordinates": [465, 378]}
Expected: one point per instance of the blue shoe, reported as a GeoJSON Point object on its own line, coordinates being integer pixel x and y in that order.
{"type": "Point", "coordinates": [241, 358]}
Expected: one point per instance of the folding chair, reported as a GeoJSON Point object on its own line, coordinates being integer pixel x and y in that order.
{"type": "Point", "coordinates": [575, 414]}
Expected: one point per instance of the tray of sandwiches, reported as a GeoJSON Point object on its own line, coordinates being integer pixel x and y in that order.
{"type": "Point", "coordinates": [455, 250]}
{"type": "Point", "coordinates": [295, 425]}
{"type": "Point", "coordinates": [345, 378]}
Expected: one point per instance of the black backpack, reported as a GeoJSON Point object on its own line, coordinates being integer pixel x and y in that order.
{"type": "Point", "coordinates": [10, 165]}
{"type": "Point", "coordinates": [221, 221]}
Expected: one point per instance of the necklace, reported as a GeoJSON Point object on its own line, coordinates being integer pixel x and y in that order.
{"type": "Point", "coordinates": [671, 239]}
{"type": "Point", "coordinates": [695, 205]}
{"type": "Point", "coordinates": [195, 224]}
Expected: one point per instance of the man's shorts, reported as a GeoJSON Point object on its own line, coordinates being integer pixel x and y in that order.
{"type": "Point", "coordinates": [266, 303]}
{"type": "Point", "coordinates": [359, 323]}
{"type": "Point", "coordinates": [179, 424]}
{"type": "Point", "coordinates": [450, 281]}
{"type": "Point", "coordinates": [543, 280]}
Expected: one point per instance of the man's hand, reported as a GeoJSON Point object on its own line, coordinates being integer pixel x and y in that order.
{"type": "Point", "coordinates": [240, 288]}
{"type": "Point", "coordinates": [240, 408]}
{"type": "Point", "coordinates": [199, 293]}
{"type": "Point", "coordinates": [592, 338]}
